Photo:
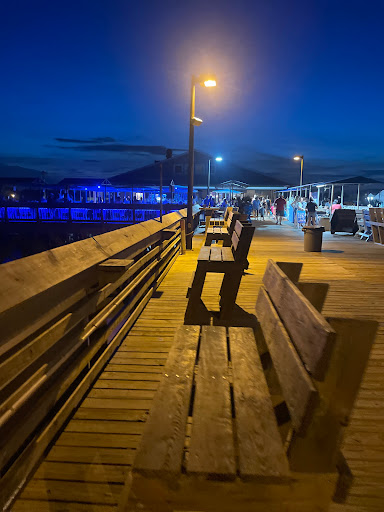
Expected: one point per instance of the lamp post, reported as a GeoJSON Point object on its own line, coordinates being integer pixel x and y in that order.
{"type": "Point", "coordinates": [218, 159]}
{"type": "Point", "coordinates": [193, 121]}
{"type": "Point", "coordinates": [300, 157]}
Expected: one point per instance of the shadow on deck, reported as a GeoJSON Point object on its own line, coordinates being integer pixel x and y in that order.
{"type": "Point", "coordinates": [87, 466]}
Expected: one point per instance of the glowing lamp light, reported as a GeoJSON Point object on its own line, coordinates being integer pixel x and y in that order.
{"type": "Point", "coordinates": [297, 157]}
{"type": "Point", "coordinates": [219, 159]}
{"type": "Point", "coordinates": [13, 195]}
{"type": "Point", "coordinates": [98, 186]}
{"type": "Point", "coordinates": [210, 83]}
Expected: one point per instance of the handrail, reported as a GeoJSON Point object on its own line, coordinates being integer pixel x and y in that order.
{"type": "Point", "coordinates": [82, 213]}
{"type": "Point", "coordinates": [62, 314]}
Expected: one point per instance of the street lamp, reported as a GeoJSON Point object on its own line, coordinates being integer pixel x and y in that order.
{"type": "Point", "coordinates": [297, 158]}
{"type": "Point", "coordinates": [218, 159]}
{"type": "Point", "coordinates": [207, 81]}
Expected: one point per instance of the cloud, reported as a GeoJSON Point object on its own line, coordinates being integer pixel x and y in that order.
{"type": "Point", "coordinates": [97, 140]}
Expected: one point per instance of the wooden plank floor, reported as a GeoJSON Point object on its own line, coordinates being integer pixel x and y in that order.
{"type": "Point", "coordinates": [86, 468]}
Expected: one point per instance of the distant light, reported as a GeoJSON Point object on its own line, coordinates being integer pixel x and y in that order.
{"type": "Point", "coordinates": [86, 188]}
{"type": "Point", "coordinates": [297, 157]}
{"type": "Point", "coordinates": [219, 159]}
{"type": "Point", "coordinates": [13, 195]}
{"type": "Point", "coordinates": [98, 186]}
{"type": "Point", "coordinates": [210, 83]}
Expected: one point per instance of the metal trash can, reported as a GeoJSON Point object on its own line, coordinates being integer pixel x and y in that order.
{"type": "Point", "coordinates": [313, 238]}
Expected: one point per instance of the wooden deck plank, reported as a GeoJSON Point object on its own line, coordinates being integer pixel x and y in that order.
{"type": "Point", "coordinates": [211, 449]}
{"type": "Point", "coordinates": [260, 449]}
{"type": "Point", "coordinates": [355, 272]}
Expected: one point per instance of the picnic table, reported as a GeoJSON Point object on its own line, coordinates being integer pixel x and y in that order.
{"type": "Point", "coordinates": [251, 422]}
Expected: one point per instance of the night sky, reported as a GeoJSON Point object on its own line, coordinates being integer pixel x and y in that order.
{"type": "Point", "coordinates": [94, 88]}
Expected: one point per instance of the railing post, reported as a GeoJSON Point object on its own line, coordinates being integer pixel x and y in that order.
{"type": "Point", "coordinates": [183, 245]}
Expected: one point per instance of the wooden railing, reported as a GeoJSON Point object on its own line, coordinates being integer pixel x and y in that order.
{"type": "Point", "coordinates": [62, 315]}
{"type": "Point", "coordinates": [74, 213]}
{"type": "Point", "coordinates": [377, 224]}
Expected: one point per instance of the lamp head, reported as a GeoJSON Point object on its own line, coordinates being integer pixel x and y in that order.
{"type": "Point", "coordinates": [298, 157]}
{"type": "Point", "coordinates": [207, 80]}
{"type": "Point", "coordinates": [219, 159]}
{"type": "Point", "coordinates": [196, 121]}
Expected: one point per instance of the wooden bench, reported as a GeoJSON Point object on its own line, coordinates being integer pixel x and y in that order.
{"type": "Point", "coordinates": [377, 223]}
{"type": "Point", "coordinates": [231, 261]}
{"type": "Point", "coordinates": [364, 224]}
{"type": "Point", "coordinates": [224, 232]}
{"type": "Point", "coordinates": [245, 423]}
{"type": "Point", "coordinates": [221, 219]}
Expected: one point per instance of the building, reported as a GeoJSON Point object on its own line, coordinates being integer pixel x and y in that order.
{"type": "Point", "coordinates": [19, 189]}
{"type": "Point", "coordinates": [224, 178]}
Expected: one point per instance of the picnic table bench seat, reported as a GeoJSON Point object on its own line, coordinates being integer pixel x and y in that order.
{"type": "Point", "coordinates": [231, 261]}
{"type": "Point", "coordinates": [223, 232]}
{"type": "Point", "coordinates": [252, 421]}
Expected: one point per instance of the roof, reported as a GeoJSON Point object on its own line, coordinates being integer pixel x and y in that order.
{"type": "Point", "coordinates": [12, 180]}
{"type": "Point", "coordinates": [149, 175]}
{"type": "Point", "coordinates": [84, 182]}
{"type": "Point", "coordinates": [355, 180]}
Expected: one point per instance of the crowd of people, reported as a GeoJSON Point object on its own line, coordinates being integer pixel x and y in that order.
{"type": "Point", "coordinates": [257, 207]}
{"type": "Point", "coordinates": [299, 210]}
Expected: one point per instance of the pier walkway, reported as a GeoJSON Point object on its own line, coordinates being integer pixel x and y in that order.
{"type": "Point", "coordinates": [86, 467]}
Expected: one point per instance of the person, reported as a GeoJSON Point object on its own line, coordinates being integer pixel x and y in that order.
{"type": "Point", "coordinates": [280, 206]}
{"type": "Point", "coordinates": [206, 201]}
{"type": "Point", "coordinates": [224, 203]}
{"type": "Point", "coordinates": [263, 205]}
{"type": "Point", "coordinates": [268, 206]}
{"type": "Point", "coordinates": [311, 212]}
{"type": "Point", "coordinates": [211, 202]}
{"type": "Point", "coordinates": [336, 206]}
{"type": "Point", "coordinates": [247, 207]}
{"type": "Point", "coordinates": [256, 206]}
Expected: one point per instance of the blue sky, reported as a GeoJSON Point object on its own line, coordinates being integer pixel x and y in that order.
{"type": "Point", "coordinates": [293, 77]}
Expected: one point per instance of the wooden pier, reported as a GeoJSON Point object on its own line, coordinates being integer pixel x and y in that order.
{"type": "Point", "coordinates": [88, 463]}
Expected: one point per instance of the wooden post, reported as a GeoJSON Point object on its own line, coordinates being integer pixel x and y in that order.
{"type": "Point", "coordinates": [358, 196]}
{"type": "Point", "coordinates": [161, 192]}
{"type": "Point", "coordinates": [183, 245]}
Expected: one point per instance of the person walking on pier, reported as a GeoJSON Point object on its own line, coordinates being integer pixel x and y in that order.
{"type": "Point", "coordinates": [256, 207]}
{"type": "Point", "coordinates": [311, 212]}
{"type": "Point", "coordinates": [280, 207]}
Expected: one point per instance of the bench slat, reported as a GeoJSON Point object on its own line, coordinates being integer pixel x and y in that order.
{"type": "Point", "coordinates": [308, 329]}
{"type": "Point", "coordinates": [215, 254]}
{"type": "Point", "coordinates": [227, 254]}
{"type": "Point", "coordinates": [260, 449]}
{"type": "Point", "coordinates": [238, 228]}
{"type": "Point", "coordinates": [235, 241]}
{"type": "Point", "coordinates": [297, 387]}
{"type": "Point", "coordinates": [212, 451]}
{"type": "Point", "coordinates": [204, 253]}
{"type": "Point", "coordinates": [162, 445]}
